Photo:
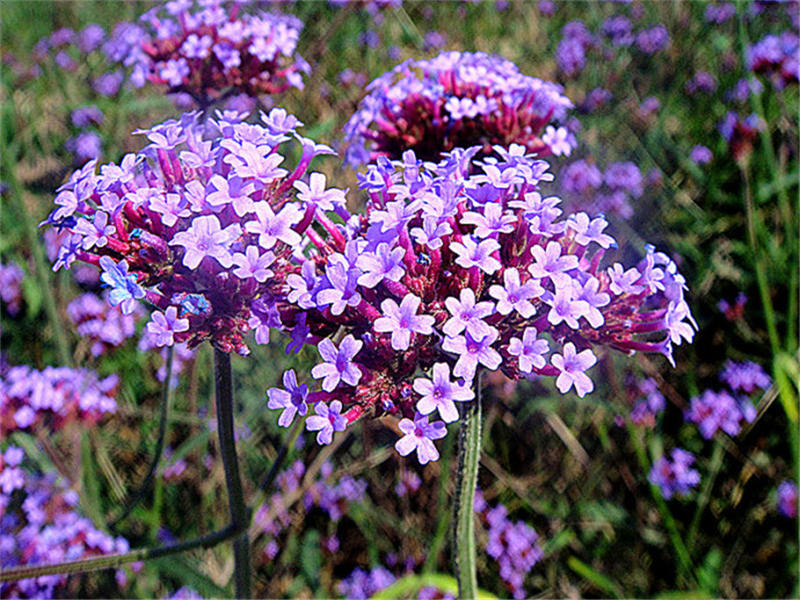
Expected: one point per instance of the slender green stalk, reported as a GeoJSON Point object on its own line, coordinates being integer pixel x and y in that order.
{"type": "Point", "coordinates": [708, 483]}
{"type": "Point", "coordinates": [240, 517]}
{"type": "Point", "coordinates": [166, 397]}
{"type": "Point", "coordinates": [280, 458]}
{"type": "Point", "coordinates": [117, 560]}
{"type": "Point", "coordinates": [469, 455]}
{"type": "Point", "coordinates": [684, 558]}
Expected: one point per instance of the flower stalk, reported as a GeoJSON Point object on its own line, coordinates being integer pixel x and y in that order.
{"type": "Point", "coordinates": [240, 517]}
{"type": "Point", "coordinates": [469, 455]}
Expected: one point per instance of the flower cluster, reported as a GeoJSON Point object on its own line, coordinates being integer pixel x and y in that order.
{"type": "Point", "coordinates": [361, 584]}
{"type": "Point", "coordinates": [458, 99]}
{"type": "Point", "coordinates": [205, 49]}
{"type": "Point", "coordinates": [333, 498]}
{"type": "Point", "coordinates": [450, 272]}
{"type": "Point", "coordinates": [585, 187]}
{"type": "Point", "coordinates": [675, 476]}
{"type": "Point", "coordinates": [740, 133]}
{"type": "Point", "coordinates": [11, 276]}
{"type": "Point", "coordinates": [103, 326]}
{"type": "Point", "coordinates": [733, 311]}
{"type": "Point", "coordinates": [787, 499]}
{"type": "Point", "coordinates": [40, 524]}
{"type": "Point", "coordinates": [720, 13]}
{"type": "Point", "coordinates": [514, 545]}
{"type": "Point", "coordinates": [725, 410]}
{"type": "Point", "coordinates": [197, 223]}
{"type": "Point", "coordinates": [776, 57]}
{"type": "Point", "coordinates": [53, 397]}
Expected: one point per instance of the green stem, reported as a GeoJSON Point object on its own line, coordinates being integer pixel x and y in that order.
{"type": "Point", "coordinates": [166, 396]}
{"type": "Point", "coordinates": [240, 517]}
{"type": "Point", "coordinates": [469, 455]}
{"type": "Point", "coordinates": [265, 484]}
{"type": "Point", "coordinates": [684, 558]}
{"type": "Point", "coordinates": [716, 463]}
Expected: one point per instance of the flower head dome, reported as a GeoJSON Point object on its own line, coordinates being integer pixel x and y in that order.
{"type": "Point", "coordinates": [457, 100]}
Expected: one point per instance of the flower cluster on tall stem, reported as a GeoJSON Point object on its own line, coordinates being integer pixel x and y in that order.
{"type": "Point", "coordinates": [451, 271]}
{"type": "Point", "coordinates": [457, 100]}
{"type": "Point", "coordinates": [197, 224]}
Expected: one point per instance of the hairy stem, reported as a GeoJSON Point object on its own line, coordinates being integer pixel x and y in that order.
{"type": "Point", "coordinates": [469, 455]}
{"type": "Point", "coordinates": [240, 517]}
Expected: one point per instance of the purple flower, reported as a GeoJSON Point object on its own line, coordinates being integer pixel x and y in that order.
{"type": "Point", "coordinates": [745, 376]}
{"type": "Point", "coordinates": [419, 436]}
{"type": "Point", "coordinates": [253, 264]}
{"type": "Point", "coordinates": [164, 326]}
{"type": "Point", "coordinates": [327, 420]}
{"type": "Point", "coordinates": [272, 227]}
{"type": "Point", "coordinates": [572, 365]}
{"type": "Point", "coordinates": [438, 393]}
{"type": "Point", "coordinates": [314, 192]}
{"type": "Point", "coordinates": [338, 365]}
{"type": "Point", "coordinates": [492, 220]}
{"type": "Point", "coordinates": [125, 290]}
{"type": "Point", "coordinates": [653, 40]}
{"type": "Point", "coordinates": [292, 399]}
{"type": "Point", "coordinates": [560, 140]}
{"type": "Point", "coordinates": [675, 477]}
{"type": "Point", "coordinates": [515, 296]}
{"type": "Point", "coordinates": [712, 411]}
{"type": "Point", "coordinates": [384, 263]}
{"type": "Point", "coordinates": [701, 155]}
{"type": "Point", "coordinates": [467, 314]}
{"type": "Point", "coordinates": [530, 350]}
{"type": "Point", "coordinates": [472, 254]}
{"type": "Point", "coordinates": [473, 351]}
{"type": "Point", "coordinates": [402, 321]}
{"type": "Point", "coordinates": [549, 262]}
{"type": "Point", "coordinates": [206, 238]}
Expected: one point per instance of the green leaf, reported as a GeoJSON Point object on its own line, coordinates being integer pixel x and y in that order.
{"type": "Point", "coordinates": [598, 580]}
{"type": "Point", "coordinates": [311, 558]}
{"type": "Point", "coordinates": [32, 294]}
{"type": "Point", "coordinates": [179, 567]}
{"type": "Point", "coordinates": [785, 369]}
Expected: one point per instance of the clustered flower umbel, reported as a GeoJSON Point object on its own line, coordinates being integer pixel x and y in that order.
{"type": "Point", "coordinates": [198, 223]}
{"type": "Point", "coordinates": [205, 49]}
{"type": "Point", "coordinates": [40, 525]}
{"type": "Point", "coordinates": [457, 99]}
{"type": "Point", "coordinates": [449, 273]}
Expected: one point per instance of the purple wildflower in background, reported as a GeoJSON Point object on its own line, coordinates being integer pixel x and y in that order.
{"type": "Point", "coordinates": [86, 116]}
{"type": "Point", "coordinates": [701, 155]}
{"type": "Point", "coordinates": [776, 57]}
{"type": "Point", "coordinates": [457, 99]}
{"type": "Point", "coordinates": [720, 13]}
{"type": "Point", "coordinates": [713, 411]}
{"type": "Point", "coordinates": [360, 584]}
{"type": "Point", "coordinates": [745, 376]}
{"type": "Point", "coordinates": [11, 276]}
{"type": "Point", "coordinates": [653, 40]}
{"type": "Point", "coordinates": [105, 326]}
{"type": "Point", "coordinates": [675, 477]}
{"type": "Point", "coordinates": [702, 81]}
{"type": "Point", "coordinates": [646, 409]}
{"type": "Point", "coordinates": [787, 499]}
{"type": "Point", "coordinates": [85, 146]}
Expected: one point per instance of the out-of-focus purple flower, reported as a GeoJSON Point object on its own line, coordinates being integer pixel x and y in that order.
{"type": "Point", "coordinates": [619, 30]}
{"type": "Point", "coordinates": [701, 81]}
{"type": "Point", "coordinates": [720, 13]}
{"type": "Point", "coordinates": [647, 408]}
{"type": "Point", "coordinates": [596, 99]}
{"type": "Point", "coordinates": [701, 155]}
{"type": "Point", "coordinates": [675, 476]}
{"type": "Point", "coordinates": [85, 146]}
{"type": "Point", "coordinates": [777, 57]}
{"type": "Point", "coordinates": [86, 116]}
{"type": "Point", "coordinates": [745, 376]}
{"type": "Point", "coordinates": [712, 411]}
{"type": "Point", "coordinates": [732, 313]}
{"type": "Point", "coordinates": [653, 40]}
{"type": "Point", "coordinates": [105, 326]}
{"type": "Point", "coordinates": [11, 276]}
{"type": "Point", "coordinates": [787, 499]}
{"type": "Point", "coordinates": [457, 99]}
{"type": "Point", "coordinates": [547, 7]}
{"type": "Point", "coordinates": [360, 584]}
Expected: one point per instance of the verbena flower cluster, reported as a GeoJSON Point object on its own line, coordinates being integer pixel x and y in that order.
{"type": "Point", "coordinates": [53, 397]}
{"type": "Point", "coordinates": [584, 186]}
{"type": "Point", "coordinates": [727, 410]}
{"type": "Point", "coordinates": [11, 276]}
{"type": "Point", "coordinates": [197, 223]}
{"type": "Point", "coordinates": [334, 498]}
{"type": "Point", "coordinates": [86, 143]}
{"type": "Point", "coordinates": [450, 272]}
{"type": "Point", "coordinates": [361, 584]}
{"type": "Point", "coordinates": [674, 477]}
{"type": "Point", "coordinates": [457, 99]}
{"type": "Point", "coordinates": [740, 133]}
{"type": "Point", "coordinates": [514, 545]}
{"type": "Point", "coordinates": [40, 524]}
{"type": "Point", "coordinates": [104, 326]}
{"type": "Point", "coordinates": [205, 49]}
